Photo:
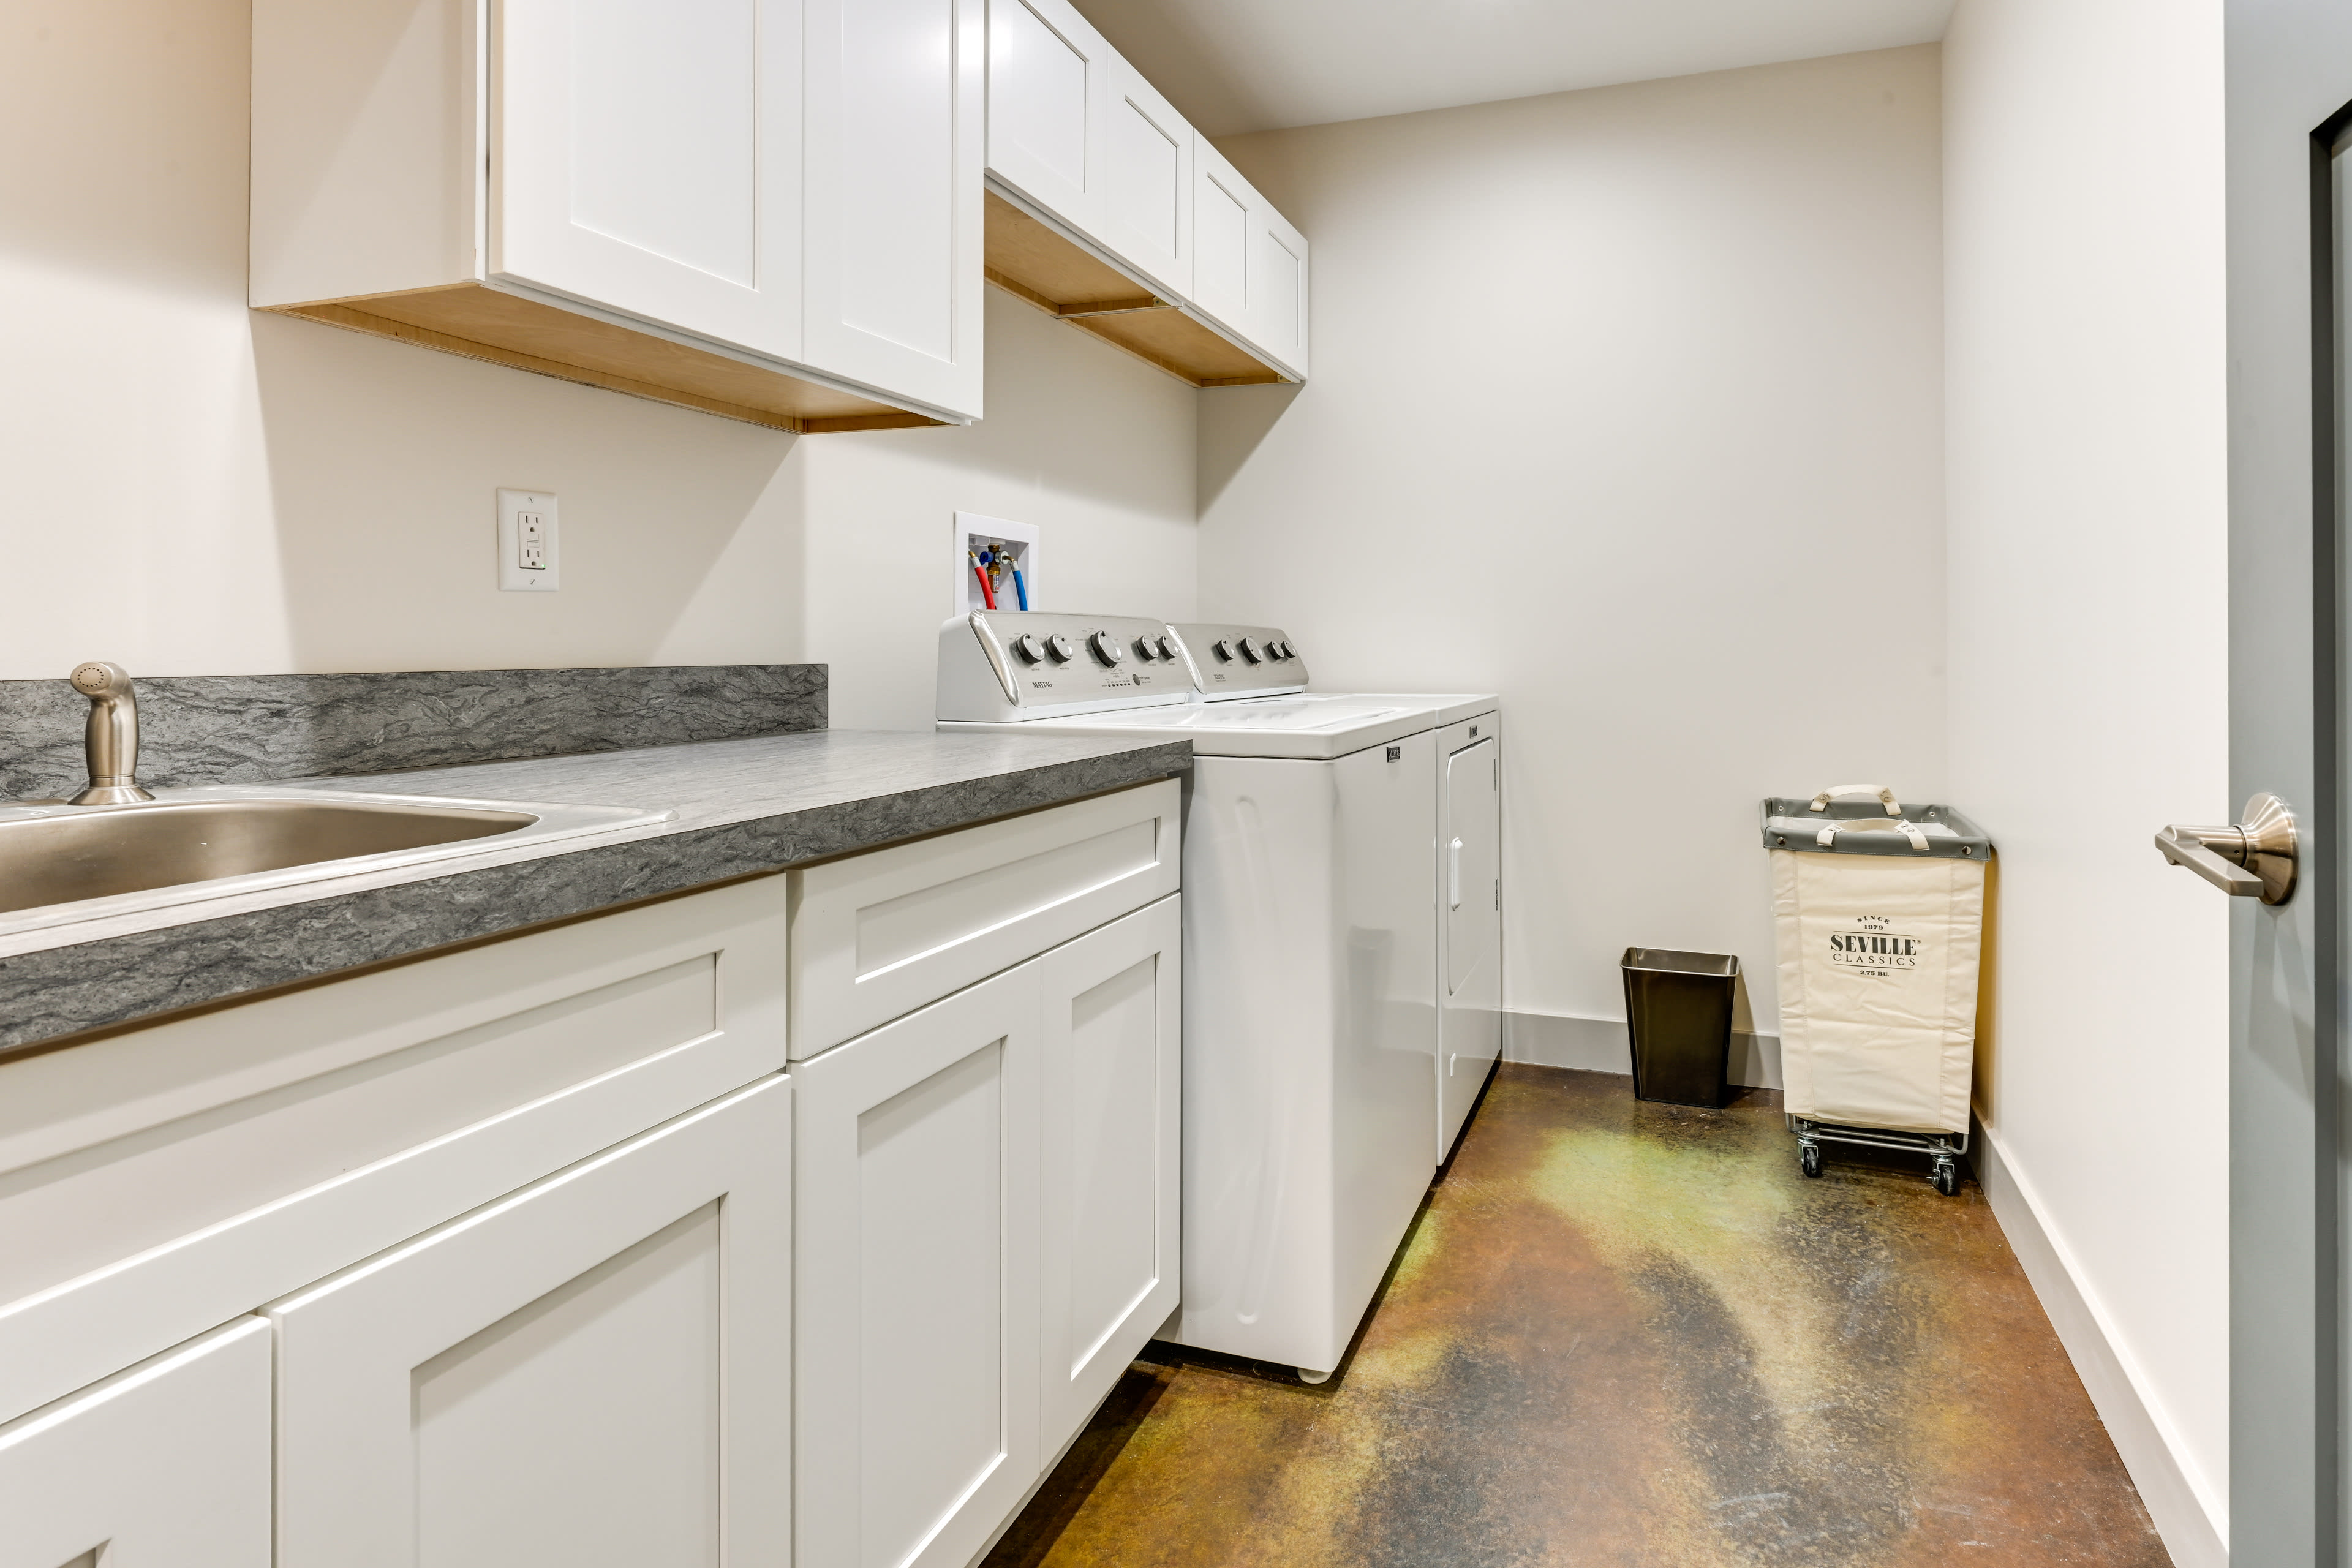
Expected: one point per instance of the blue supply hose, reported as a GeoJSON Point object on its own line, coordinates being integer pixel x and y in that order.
{"type": "Point", "coordinates": [1020, 587]}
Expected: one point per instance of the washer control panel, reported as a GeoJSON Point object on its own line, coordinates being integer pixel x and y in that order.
{"type": "Point", "coordinates": [1004, 665]}
{"type": "Point", "coordinates": [1241, 661]}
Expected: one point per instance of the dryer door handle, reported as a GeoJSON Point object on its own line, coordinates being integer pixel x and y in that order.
{"type": "Point", "coordinates": [1453, 875]}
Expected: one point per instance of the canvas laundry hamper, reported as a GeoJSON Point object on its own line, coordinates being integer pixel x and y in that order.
{"type": "Point", "coordinates": [1879, 926]}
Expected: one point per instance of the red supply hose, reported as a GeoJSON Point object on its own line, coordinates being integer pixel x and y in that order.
{"type": "Point", "coordinates": [987, 591]}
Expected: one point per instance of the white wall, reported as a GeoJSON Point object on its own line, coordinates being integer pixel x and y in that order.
{"type": "Point", "coordinates": [2089, 696]}
{"type": "Point", "coordinates": [191, 487]}
{"type": "Point", "coordinates": [1093, 446]}
{"type": "Point", "coordinates": [1627, 402]}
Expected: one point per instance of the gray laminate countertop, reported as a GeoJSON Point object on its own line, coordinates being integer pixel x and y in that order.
{"type": "Point", "coordinates": [738, 809]}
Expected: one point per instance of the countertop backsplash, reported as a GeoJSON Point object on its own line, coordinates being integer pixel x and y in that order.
{"type": "Point", "coordinates": [249, 729]}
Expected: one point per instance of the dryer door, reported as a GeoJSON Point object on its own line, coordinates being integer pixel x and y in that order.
{"type": "Point", "coordinates": [1470, 881]}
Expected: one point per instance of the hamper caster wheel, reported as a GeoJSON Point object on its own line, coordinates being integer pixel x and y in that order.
{"type": "Point", "coordinates": [1809, 1158]}
{"type": "Point", "coordinates": [1946, 1177]}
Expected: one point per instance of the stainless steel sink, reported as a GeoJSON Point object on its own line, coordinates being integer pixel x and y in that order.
{"type": "Point", "coordinates": [55, 855]}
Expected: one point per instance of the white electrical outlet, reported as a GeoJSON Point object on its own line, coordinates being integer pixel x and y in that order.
{"type": "Point", "coordinates": [526, 536]}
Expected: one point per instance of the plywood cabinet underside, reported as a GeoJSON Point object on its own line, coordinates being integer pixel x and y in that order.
{"type": "Point", "coordinates": [1039, 265]}
{"type": "Point", "coordinates": [484, 323]}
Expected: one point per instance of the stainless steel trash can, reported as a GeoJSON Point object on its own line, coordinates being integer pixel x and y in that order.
{"type": "Point", "coordinates": [1678, 1010]}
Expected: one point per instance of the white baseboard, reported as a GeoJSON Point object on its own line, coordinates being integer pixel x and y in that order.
{"type": "Point", "coordinates": [1600, 1044]}
{"type": "Point", "coordinates": [2193, 1522]}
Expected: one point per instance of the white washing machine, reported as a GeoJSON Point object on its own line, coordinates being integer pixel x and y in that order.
{"type": "Point", "coordinates": [1312, 955]}
{"type": "Point", "coordinates": [1260, 665]}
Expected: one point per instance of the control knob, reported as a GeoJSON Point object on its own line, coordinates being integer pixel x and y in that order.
{"type": "Point", "coordinates": [1249, 650]}
{"type": "Point", "coordinates": [1145, 651]}
{"type": "Point", "coordinates": [1107, 647]}
{"type": "Point", "coordinates": [1028, 647]}
{"type": "Point", "coordinates": [1168, 648]}
{"type": "Point", "coordinates": [1058, 648]}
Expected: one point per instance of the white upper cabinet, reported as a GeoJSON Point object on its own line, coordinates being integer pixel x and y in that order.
{"type": "Point", "coordinates": [1148, 221]}
{"type": "Point", "coordinates": [1280, 251]}
{"type": "Point", "coordinates": [1049, 91]}
{"type": "Point", "coordinates": [1112, 212]}
{"type": "Point", "coordinates": [766, 209]}
{"type": "Point", "coordinates": [646, 158]}
{"type": "Point", "coordinates": [1223, 227]}
{"type": "Point", "coordinates": [896, 135]}
{"type": "Point", "coordinates": [1249, 263]}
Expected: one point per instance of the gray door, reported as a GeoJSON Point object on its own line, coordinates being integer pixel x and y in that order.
{"type": "Point", "coordinates": [2288, 76]}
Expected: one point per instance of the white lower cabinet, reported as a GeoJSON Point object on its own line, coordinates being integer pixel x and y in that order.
{"type": "Point", "coordinates": [567, 1270]}
{"type": "Point", "coordinates": [1112, 1180]}
{"type": "Point", "coordinates": [593, 1371]}
{"type": "Point", "coordinates": [985, 1213]}
{"type": "Point", "coordinates": [915, 1200]}
{"type": "Point", "coordinates": [167, 1463]}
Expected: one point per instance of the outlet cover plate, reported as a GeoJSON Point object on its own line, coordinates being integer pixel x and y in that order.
{"type": "Point", "coordinates": [528, 534]}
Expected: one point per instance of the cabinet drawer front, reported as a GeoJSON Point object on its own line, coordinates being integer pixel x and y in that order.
{"type": "Point", "coordinates": [594, 1371]}
{"type": "Point", "coordinates": [914, 1277]}
{"type": "Point", "coordinates": [877, 936]}
{"type": "Point", "coordinates": [162, 1181]}
{"type": "Point", "coordinates": [167, 1463]}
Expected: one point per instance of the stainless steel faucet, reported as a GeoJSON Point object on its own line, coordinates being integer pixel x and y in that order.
{"type": "Point", "coordinates": [112, 739]}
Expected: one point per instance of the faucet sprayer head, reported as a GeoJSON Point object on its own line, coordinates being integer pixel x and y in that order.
{"type": "Point", "coordinates": [97, 679]}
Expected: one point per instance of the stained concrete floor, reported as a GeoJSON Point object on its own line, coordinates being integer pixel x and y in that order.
{"type": "Point", "coordinates": [1634, 1335]}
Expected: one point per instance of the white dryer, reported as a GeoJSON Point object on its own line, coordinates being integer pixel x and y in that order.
{"type": "Point", "coordinates": [1311, 978]}
{"type": "Point", "coordinates": [1262, 665]}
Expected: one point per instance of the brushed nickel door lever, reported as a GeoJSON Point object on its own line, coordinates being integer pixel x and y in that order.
{"type": "Point", "coordinates": [2255, 858]}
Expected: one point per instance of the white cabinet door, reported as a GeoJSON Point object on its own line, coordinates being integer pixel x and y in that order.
{"type": "Point", "coordinates": [1249, 264]}
{"type": "Point", "coordinates": [166, 1464]}
{"type": "Point", "coordinates": [1224, 232]}
{"type": "Point", "coordinates": [1147, 220]}
{"type": "Point", "coordinates": [1112, 1048]}
{"type": "Point", "coordinates": [594, 1371]}
{"type": "Point", "coordinates": [1470, 1010]}
{"type": "Point", "coordinates": [645, 159]}
{"type": "Point", "coordinates": [916, 1311]}
{"type": "Point", "coordinates": [896, 133]}
{"type": "Point", "coordinates": [1279, 287]}
{"type": "Point", "coordinates": [1049, 95]}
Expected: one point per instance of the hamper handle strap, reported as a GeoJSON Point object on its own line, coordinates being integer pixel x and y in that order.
{"type": "Point", "coordinates": [1885, 796]}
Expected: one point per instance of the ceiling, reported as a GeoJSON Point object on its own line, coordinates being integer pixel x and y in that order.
{"type": "Point", "coordinates": [1235, 65]}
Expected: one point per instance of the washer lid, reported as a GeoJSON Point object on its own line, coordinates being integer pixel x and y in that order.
{"type": "Point", "coordinates": [1291, 727]}
{"type": "Point", "coordinates": [1450, 707]}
